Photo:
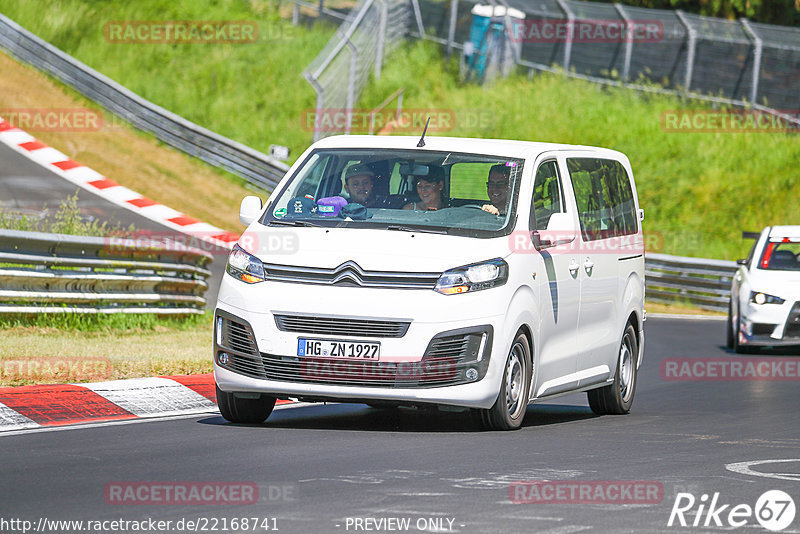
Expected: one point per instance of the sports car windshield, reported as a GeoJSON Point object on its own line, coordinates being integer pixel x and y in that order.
{"type": "Point", "coordinates": [407, 190]}
{"type": "Point", "coordinates": [781, 256]}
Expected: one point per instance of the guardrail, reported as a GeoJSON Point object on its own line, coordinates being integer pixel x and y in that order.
{"type": "Point", "coordinates": [250, 164]}
{"type": "Point", "coordinates": [56, 273]}
{"type": "Point", "coordinates": [702, 282]}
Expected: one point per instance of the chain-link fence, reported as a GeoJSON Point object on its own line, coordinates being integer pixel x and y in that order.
{"type": "Point", "coordinates": [740, 62]}
{"type": "Point", "coordinates": [339, 73]}
{"type": "Point", "coordinates": [727, 61]}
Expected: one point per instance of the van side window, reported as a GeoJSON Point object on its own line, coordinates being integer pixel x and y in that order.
{"type": "Point", "coordinates": [604, 196]}
{"type": "Point", "coordinates": [547, 197]}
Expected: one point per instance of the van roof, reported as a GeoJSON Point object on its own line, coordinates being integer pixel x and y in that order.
{"type": "Point", "coordinates": [495, 147]}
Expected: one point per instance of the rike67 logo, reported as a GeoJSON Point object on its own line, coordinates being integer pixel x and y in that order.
{"type": "Point", "coordinates": [774, 510]}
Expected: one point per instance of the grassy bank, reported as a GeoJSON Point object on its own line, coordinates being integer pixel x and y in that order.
{"type": "Point", "coordinates": [252, 92]}
{"type": "Point", "coordinates": [58, 349]}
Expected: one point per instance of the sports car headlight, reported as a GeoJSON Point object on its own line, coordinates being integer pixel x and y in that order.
{"type": "Point", "coordinates": [244, 266]}
{"type": "Point", "coordinates": [484, 275]}
{"type": "Point", "coordinates": [763, 298]}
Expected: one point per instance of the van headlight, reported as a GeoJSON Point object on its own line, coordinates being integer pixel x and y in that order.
{"type": "Point", "coordinates": [244, 266]}
{"type": "Point", "coordinates": [484, 275]}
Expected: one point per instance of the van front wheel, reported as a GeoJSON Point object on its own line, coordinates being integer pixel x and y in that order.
{"type": "Point", "coordinates": [512, 401]}
{"type": "Point", "coordinates": [248, 411]}
{"type": "Point", "coordinates": [617, 398]}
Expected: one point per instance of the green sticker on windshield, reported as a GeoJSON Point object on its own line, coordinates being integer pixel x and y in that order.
{"type": "Point", "coordinates": [279, 213]}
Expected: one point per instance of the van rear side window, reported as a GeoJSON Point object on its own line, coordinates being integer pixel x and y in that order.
{"type": "Point", "coordinates": [604, 197]}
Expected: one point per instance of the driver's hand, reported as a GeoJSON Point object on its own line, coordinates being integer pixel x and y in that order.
{"type": "Point", "coordinates": [491, 209]}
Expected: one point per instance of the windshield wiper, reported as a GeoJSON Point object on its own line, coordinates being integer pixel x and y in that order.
{"type": "Point", "coordinates": [400, 228]}
{"type": "Point", "coordinates": [292, 222]}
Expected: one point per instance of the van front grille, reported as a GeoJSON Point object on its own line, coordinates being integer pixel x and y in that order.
{"type": "Point", "coordinates": [350, 274]}
{"type": "Point", "coordinates": [339, 326]}
{"type": "Point", "coordinates": [422, 374]}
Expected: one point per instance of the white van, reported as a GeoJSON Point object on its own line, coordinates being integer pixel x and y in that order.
{"type": "Point", "coordinates": [471, 273]}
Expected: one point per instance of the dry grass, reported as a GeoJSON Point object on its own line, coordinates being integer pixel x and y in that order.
{"type": "Point", "coordinates": [683, 309]}
{"type": "Point", "coordinates": [33, 355]}
{"type": "Point", "coordinates": [132, 159]}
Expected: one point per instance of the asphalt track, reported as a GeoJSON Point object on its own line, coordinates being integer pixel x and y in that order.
{"type": "Point", "coordinates": [27, 187]}
{"type": "Point", "coordinates": [320, 467]}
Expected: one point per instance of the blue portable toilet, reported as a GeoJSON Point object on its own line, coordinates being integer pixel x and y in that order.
{"type": "Point", "coordinates": [488, 38]}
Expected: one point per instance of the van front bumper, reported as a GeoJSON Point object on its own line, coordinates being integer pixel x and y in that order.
{"type": "Point", "coordinates": [274, 367]}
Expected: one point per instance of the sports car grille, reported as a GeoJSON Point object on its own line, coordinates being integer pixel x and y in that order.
{"type": "Point", "coordinates": [351, 274]}
{"type": "Point", "coordinates": [338, 326]}
{"type": "Point", "coordinates": [793, 322]}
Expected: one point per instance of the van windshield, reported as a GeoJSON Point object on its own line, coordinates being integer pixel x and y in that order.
{"type": "Point", "coordinates": [419, 190]}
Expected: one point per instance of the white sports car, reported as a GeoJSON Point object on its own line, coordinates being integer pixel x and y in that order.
{"type": "Point", "coordinates": [765, 294]}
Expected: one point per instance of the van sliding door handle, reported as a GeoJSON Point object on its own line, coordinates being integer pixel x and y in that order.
{"type": "Point", "coordinates": [573, 267]}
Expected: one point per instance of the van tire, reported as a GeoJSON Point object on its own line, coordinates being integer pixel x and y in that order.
{"type": "Point", "coordinates": [247, 411]}
{"type": "Point", "coordinates": [509, 409]}
{"type": "Point", "coordinates": [617, 397]}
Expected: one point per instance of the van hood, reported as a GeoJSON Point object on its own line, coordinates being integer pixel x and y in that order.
{"type": "Point", "coordinates": [371, 249]}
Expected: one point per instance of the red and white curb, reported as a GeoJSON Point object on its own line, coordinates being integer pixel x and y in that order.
{"type": "Point", "coordinates": [93, 181]}
{"type": "Point", "coordinates": [29, 407]}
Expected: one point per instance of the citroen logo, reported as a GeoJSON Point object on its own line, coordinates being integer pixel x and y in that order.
{"type": "Point", "coordinates": [349, 271]}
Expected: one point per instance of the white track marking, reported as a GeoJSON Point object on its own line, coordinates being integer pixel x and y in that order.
{"type": "Point", "coordinates": [155, 419]}
{"type": "Point", "coordinates": [11, 420]}
{"type": "Point", "coordinates": [745, 468]}
{"type": "Point", "coordinates": [151, 397]}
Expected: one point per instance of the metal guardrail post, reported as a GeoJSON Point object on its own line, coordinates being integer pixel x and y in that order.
{"type": "Point", "coordinates": [757, 53]}
{"type": "Point", "coordinates": [295, 14]}
{"type": "Point", "coordinates": [317, 133]}
{"type": "Point", "coordinates": [418, 16]}
{"type": "Point", "coordinates": [692, 33]}
{"type": "Point", "coordinates": [351, 84]}
{"type": "Point", "coordinates": [451, 30]}
{"type": "Point", "coordinates": [397, 94]}
{"type": "Point", "coordinates": [384, 15]}
{"type": "Point", "coordinates": [570, 32]}
{"type": "Point", "coordinates": [626, 68]}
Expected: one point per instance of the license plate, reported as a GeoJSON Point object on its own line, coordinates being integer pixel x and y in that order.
{"type": "Point", "coordinates": [344, 350]}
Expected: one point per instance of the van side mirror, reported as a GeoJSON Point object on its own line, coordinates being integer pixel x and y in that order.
{"type": "Point", "coordinates": [741, 262]}
{"type": "Point", "coordinates": [560, 231]}
{"type": "Point", "coordinates": [249, 210]}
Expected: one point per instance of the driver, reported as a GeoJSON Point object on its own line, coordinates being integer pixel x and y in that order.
{"type": "Point", "coordinates": [497, 187]}
{"type": "Point", "coordinates": [359, 184]}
